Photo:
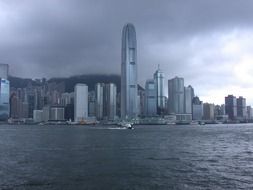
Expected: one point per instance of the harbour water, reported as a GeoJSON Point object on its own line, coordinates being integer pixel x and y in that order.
{"type": "Point", "coordinates": [148, 157]}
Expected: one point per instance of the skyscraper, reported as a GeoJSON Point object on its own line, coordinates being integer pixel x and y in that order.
{"type": "Point", "coordinates": [231, 107]}
{"type": "Point", "coordinates": [81, 102]}
{"type": "Point", "coordinates": [110, 101]}
{"type": "Point", "coordinates": [150, 98]}
{"type": "Point", "coordinates": [176, 95]}
{"type": "Point", "coordinates": [129, 72]}
{"type": "Point", "coordinates": [159, 85]}
{"type": "Point", "coordinates": [4, 99]}
{"type": "Point", "coordinates": [99, 96]}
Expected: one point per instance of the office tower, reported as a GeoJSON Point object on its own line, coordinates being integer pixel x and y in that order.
{"type": "Point", "coordinates": [99, 96]}
{"type": "Point", "coordinates": [81, 102]}
{"type": "Point", "coordinates": [197, 109]}
{"type": "Point", "coordinates": [208, 111]}
{"type": "Point", "coordinates": [176, 95]}
{"type": "Point", "coordinates": [150, 98]}
{"type": "Point", "coordinates": [92, 104]}
{"type": "Point", "coordinates": [4, 71]}
{"type": "Point", "coordinates": [24, 109]}
{"type": "Point", "coordinates": [69, 112]}
{"type": "Point", "coordinates": [241, 108]}
{"type": "Point", "coordinates": [110, 101]}
{"type": "Point", "coordinates": [188, 96]}
{"type": "Point", "coordinates": [231, 107]}
{"type": "Point", "coordinates": [160, 94]}
{"type": "Point", "coordinates": [129, 72]}
{"type": "Point", "coordinates": [46, 113]}
{"type": "Point", "coordinates": [4, 99]}
{"type": "Point", "coordinates": [56, 113]}
{"type": "Point", "coordinates": [141, 101]}
{"type": "Point", "coordinates": [249, 113]}
{"type": "Point", "coordinates": [37, 116]}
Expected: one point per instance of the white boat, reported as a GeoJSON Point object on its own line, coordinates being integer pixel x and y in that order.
{"type": "Point", "coordinates": [126, 125]}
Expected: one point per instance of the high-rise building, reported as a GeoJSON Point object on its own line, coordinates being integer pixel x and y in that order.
{"type": "Point", "coordinates": [100, 101]}
{"type": "Point", "coordinates": [110, 101]}
{"type": "Point", "coordinates": [176, 95]}
{"type": "Point", "coordinates": [231, 107]}
{"type": "Point", "coordinates": [188, 96]}
{"type": "Point", "coordinates": [141, 101]}
{"type": "Point", "coordinates": [92, 104]}
{"type": "Point", "coordinates": [81, 102]}
{"type": "Point", "coordinates": [150, 98]}
{"type": "Point", "coordinates": [241, 108]}
{"type": "Point", "coordinates": [160, 94]}
{"type": "Point", "coordinates": [4, 99]}
{"type": "Point", "coordinates": [249, 113]}
{"type": "Point", "coordinates": [56, 113]}
{"type": "Point", "coordinates": [129, 72]}
{"type": "Point", "coordinates": [208, 111]}
{"type": "Point", "coordinates": [197, 109]}
{"type": "Point", "coordinates": [4, 71]}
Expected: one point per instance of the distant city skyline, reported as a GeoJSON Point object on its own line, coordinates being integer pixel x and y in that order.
{"type": "Point", "coordinates": [210, 49]}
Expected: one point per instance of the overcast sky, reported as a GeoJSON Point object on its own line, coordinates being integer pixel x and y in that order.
{"type": "Point", "coordinates": [208, 42]}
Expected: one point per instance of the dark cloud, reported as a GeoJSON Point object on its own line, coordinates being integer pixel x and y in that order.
{"type": "Point", "coordinates": [67, 37]}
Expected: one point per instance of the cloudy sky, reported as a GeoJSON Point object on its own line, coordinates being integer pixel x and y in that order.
{"type": "Point", "coordinates": [208, 42]}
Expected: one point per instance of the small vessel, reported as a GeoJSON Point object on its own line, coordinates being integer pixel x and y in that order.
{"type": "Point", "coordinates": [126, 125]}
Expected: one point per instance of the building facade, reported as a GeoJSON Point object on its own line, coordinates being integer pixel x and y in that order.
{"type": "Point", "coordinates": [129, 72]}
{"type": "Point", "coordinates": [150, 98]}
{"type": "Point", "coordinates": [81, 102]}
{"type": "Point", "coordinates": [176, 96]}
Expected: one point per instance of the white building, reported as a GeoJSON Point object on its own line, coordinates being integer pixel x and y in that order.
{"type": "Point", "coordinates": [81, 102]}
{"type": "Point", "coordinates": [37, 116]}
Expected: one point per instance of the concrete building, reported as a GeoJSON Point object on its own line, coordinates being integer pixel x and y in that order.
{"type": "Point", "coordinates": [241, 108]}
{"type": "Point", "coordinates": [129, 73]}
{"type": "Point", "coordinates": [46, 113]}
{"type": "Point", "coordinates": [110, 101]}
{"type": "Point", "coordinates": [92, 104]}
{"type": "Point", "coordinates": [57, 113]}
{"type": "Point", "coordinates": [188, 96]}
{"type": "Point", "coordinates": [160, 93]}
{"type": "Point", "coordinates": [249, 113]}
{"type": "Point", "coordinates": [100, 101]}
{"type": "Point", "coordinates": [150, 98]}
{"type": "Point", "coordinates": [208, 111]}
{"type": "Point", "coordinates": [176, 96]}
{"type": "Point", "coordinates": [141, 101]}
{"type": "Point", "coordinates": [197, 109]}
{"type": "Point", "coordinates": [4, 99]}
{"type": "Point", "coordinates": [231, 107]}
{"type": "Point", "coordinates": [37, 116]}
{"type": "Point", "coordinates": [81, 102]}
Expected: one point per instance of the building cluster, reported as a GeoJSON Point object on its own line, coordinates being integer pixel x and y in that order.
{"type": "Point", "coordinates": [45, 101]}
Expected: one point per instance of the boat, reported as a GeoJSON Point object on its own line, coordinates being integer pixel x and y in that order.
{"type": "Point", "coordinates": [126, 125]}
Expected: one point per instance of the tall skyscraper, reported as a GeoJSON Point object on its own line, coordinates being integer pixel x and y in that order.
{"type": "Point", "coordinates": [176, 95]}
{"type": "Point", "coordinates": [99, 105]}
{"type": "Point", "coordinates": [81, 102]}
{"type": "Point", "coordinates": [150, 98]}
{"type": "Point", "coordinates": [241, 108]}
{"type": "Point", "coordinates": [4, 99]}
{"type": "Point", "coordinates": [110, 101]}
{"type": "Point", "coordinates": [197, 109]}
{"type": "Point", "coordinates": [160, 94]}
{"type": "Point", "coordinates": [231, 107]}
{"type": "Point", "coordinates": [129, 72]}
{"type": "Point", "coordinates": [188, 96]}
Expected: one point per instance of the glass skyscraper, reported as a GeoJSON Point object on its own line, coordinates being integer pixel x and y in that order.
{"type": "Point", "coordinates": [4, 99]}
{"type": "Point", "coordinates": [129, 72]}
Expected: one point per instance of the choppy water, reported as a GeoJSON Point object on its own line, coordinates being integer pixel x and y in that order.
{"type": "Point", "coordinates": [149, 157]}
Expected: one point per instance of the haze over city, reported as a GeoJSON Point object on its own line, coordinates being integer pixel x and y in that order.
{"type": "Point", "coordinates": [208, 43]}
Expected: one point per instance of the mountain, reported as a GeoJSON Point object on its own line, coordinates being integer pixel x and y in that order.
{"type": "Point", "coordinates": [69, 82]}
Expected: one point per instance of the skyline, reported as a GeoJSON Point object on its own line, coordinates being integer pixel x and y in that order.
{"type": "Point", "coordinates": [68, 39]}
